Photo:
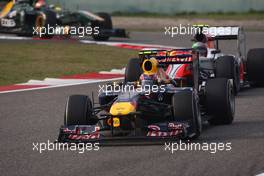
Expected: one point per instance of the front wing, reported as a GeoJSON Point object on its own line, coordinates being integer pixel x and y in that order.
{"type": "Point", "coordinates": [160, 132]}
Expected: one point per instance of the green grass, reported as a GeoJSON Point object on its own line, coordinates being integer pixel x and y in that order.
{"type": "Point", "coordinates": [256, 15]}
{"type": "Point", "coordinates": [22, 61]}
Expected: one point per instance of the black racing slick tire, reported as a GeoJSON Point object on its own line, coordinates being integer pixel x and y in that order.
{"type": "Point", "coordinates": [255, 64]}
{"type": "Point", "coordinates": [226, 67]}
{"type": "Point", "coordinates": [78, 111]}
{"type": "Point", "coordinates": [48, 20]}
{"type": "Point", "coordinates": [103, 25]}
{"type": "Point", "coordinates": [220, 101]}
{"type": "Point", "coordinates": [133, 70]}
{"type": "Point", "coordinates": [185, 108]}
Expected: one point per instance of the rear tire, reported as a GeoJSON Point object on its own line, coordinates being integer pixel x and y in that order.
{"type": "Point", "coordinates": [78, 111]}
{"type": "Point", "coordinates": [103, 25]}
{"type": "Point", "coordinates": [44, 19]}
{"type": "Point", "coordinates": [133, 70]}
{"type": "Point", "coordinates": [255, 63]}
{"type": "Point", "coordinates": [220, 101]}
{"type": "Point", "coordinates": [225, 67]}
{"type": "Point", "coordinates": [186, 109]}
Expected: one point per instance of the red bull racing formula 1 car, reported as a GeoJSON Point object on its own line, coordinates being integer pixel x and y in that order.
{"type": "Point", "coordinates": [151, 109]}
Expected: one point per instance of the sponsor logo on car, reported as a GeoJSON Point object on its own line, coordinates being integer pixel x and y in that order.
{"type": "Point", "coordinates": [95, 135]}
{"type": "Point", "coordinates": [154, 131]}
{"type": "Point", "coordinates": [7, 22]}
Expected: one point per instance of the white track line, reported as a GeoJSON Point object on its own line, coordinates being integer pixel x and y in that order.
{"type": "Point", "coordinates": [55, 81]}
{"type": "Point", "coordinates": [2, 37]}
{"type": "Point", "coordinates": [64, 85]}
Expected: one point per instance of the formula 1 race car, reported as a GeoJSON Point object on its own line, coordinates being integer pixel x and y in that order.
{"type": "Point", "coordinates": [159, 111]}
{"type": "Point", "coordinates": [243, 70]}
{"type": "Point", "coordinates": [22, 16]}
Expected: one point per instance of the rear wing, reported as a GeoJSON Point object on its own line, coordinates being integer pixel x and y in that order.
{"type": "Point", "coordinates": [174, 56]}
{"type": "Point", "coordinates": [222, 33]}
{"type": "Point", "coordinates": [218, 33]}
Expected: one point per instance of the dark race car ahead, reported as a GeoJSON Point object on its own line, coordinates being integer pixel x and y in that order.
{"type": "Point", "coordinates": [241, 69]}
{"type": "Point", "coordinates": [23, 17]}
{"type": "Point", "coordinates": [170, 111]}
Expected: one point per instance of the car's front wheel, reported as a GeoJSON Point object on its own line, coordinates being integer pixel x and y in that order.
{"type": "Point", "coordinates": [186, 108]}
{"type": "Point", "coordinates": [133, 70]}
{"type": "Point", "coordinates": [220, 101]}
{"type": "Point", "coordinates": [78, 111]}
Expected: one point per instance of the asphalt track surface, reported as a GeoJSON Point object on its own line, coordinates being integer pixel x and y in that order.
{"type": "Point", "coordinates": [35, 116]}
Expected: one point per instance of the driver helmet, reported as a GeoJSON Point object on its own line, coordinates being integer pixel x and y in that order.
{"type": "Point", "coordinates": [200, 37]}
{"type": "Point", "coordinates": [201, 48]}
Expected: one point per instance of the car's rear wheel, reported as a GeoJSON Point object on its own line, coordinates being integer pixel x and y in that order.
{"type": "Point", "coordinates": [220, 101]}
{"type": "Point", "coordinates": [186, 109]}
{"type": "Point", "coordinates": [103, 25]}
{"type": "Point", "coordinates": [46, 19]}
{"type": "Point", "coordinates": [255, 64]}
{"type": "Point", "coordinates": [78, 111]}
{"type": "Point", "coordinates": [225, 67]}
{"type": "Point", "coordinates": [133, 70]}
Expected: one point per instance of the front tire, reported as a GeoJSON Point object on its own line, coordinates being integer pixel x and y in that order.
{"type": "Point", "coordinates": [186, 109]}
{"type": "Point", "coordinates": [78, 111]}
{"type": "Point", "coordinates": [133, 70]}
{"type": "Point", "coordinates": [220, 101]}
